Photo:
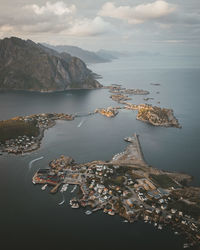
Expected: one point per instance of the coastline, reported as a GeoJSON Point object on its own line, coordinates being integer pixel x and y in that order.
{"type": "Point", "coordinates": [134, 191]}
{"type": "Point", "coordinates": [48, 91]}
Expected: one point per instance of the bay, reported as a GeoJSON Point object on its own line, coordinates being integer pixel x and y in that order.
{"type": "Point", "coordinates": [30, 216]}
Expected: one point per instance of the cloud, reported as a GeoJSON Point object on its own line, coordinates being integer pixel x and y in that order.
{"type": "Point", "coordinates": [89, 27]}
{"type": "Point", "coordinates": [58, 8]}
{"type": "Point", "coordinates": [53, 18]}
{"type": "Point", "coordinates": [137, 14]}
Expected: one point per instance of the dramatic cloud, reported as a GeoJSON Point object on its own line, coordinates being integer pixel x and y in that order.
{"type": "Point", "coordinates": [53, 18]}
{"type": "Point", "coordinates": [110, 24]}
{"type": "Point", "coordinates": [137, 14]}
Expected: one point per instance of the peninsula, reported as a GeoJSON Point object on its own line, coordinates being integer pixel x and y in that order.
{"type": "Point", "coordinates": [24, 134]}
{"type": "Point", "coordinates": [129, 187]}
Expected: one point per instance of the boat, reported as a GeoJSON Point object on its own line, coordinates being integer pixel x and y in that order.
{"type": "Point", "coordinates": [125, 221]}
{"type": "Point", "coordinates": [186, 245]}
{"type": "Point", "coordinates": [111, 213]}
{"type": "Point", "coordinates": [74, 189]}
{"type": "Point", "coordinates": [62, 202]}
{"type": "Point", "coordinates": [75, 205]}
{"type": "Point", "coordinates": [88, 212]}
{"type": "Point", "coordinates": [44, 187]}
{"type": "Point", "coordinates": [64, 188]}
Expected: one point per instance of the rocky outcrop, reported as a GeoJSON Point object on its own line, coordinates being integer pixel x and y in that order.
{"type": "Point", "coordinates": [157, 116]}
{"type": "Point", "coordinates": [109, 112]}
{"type": "Point", "coordinates": [25, 65]}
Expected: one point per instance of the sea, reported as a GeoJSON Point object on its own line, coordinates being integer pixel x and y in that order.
{"type": "Point", "coordinates": [32, 218]}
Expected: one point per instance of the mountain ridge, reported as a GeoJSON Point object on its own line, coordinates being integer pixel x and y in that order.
{"type": "Point", "coordinates": [85, 55]}
{"type": "Point", "coordinates": [25, 65]}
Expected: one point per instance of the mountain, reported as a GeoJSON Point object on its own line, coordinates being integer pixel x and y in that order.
{"type": "Point", "coordinates": [25, 65]}
{"type": "Point", "coordinates": [142, 53]}
{"type": "Point", "coordinates": [110, 54]}
{"type": "Point", "coordinates": [85, 55]}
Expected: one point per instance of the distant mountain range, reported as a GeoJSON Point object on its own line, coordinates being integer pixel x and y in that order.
{"type": "Point", "coordinates": [25, 65]}
{"type": "Point", "coordinates": [85, 55]}
{"type": "Point", "coordinates": [101, 56]}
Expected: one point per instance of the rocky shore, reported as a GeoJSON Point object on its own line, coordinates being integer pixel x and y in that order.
{"type": "Point", "coordinates": [118, 98]}
{"type": "Point", "coordinates": [117, 89]}
{"type": "Point", "coordinates": [109, 112]}
{"type": "Point", "coordinates": [157, 116]}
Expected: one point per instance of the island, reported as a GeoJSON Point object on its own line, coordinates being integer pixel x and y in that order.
{"type": "Point", "coordinates": [155, 84]}
{"type": "Point", "coordinates": [24, 134]}
{"type": "Point", "coordinates": [119, 97]}
{"type": "Point", "coordinates": [154, 115]}
{"type": "Point", "coordinates": [117, 89]}
{"type": "Point", "coordinates": [129, 187]}
{"type": "Point", "coordinates": [109, 112]}
{"type": "Point", "coordinates": [157, 116]}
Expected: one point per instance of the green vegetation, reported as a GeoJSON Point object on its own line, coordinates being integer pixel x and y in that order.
{"type": "Point", "coordinates": [118, 181]}
{"type": "Point", "coordinates": [163, 181]}
{"type": "Point", "coordinates": [12, 128]}
{"type": "Point", "coordinates": [188, 209]}
{"type": "Point", "coordinates": [124, 169]}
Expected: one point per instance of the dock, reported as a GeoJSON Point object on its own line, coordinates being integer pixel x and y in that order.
{"type": "Point", "coordinates": [139, 148]}
{"type": "Point", "coordinates": [55, 189]}
{"type": "Point", "coordinates": [132, 155]}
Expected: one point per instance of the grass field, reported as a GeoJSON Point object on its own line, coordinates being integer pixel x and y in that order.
{"type": "Point", "coordinates": [12, 128]}
{"type": "Point", "coordinates": [163, 181]}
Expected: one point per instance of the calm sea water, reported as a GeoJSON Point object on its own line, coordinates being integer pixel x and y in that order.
{"type": "Point", "coordinates": [32, 217]}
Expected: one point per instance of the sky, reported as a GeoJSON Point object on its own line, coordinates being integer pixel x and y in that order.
{"type": "Point", "coordinates": [163, 26]}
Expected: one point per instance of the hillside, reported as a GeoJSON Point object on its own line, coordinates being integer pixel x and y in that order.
{"type": "Point", "coordinates": [25, 65]}
{"type": "Point", "coordinates": [85, 55]}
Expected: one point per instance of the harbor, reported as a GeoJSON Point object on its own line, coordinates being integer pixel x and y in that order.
{"type": "Point", "coordinates": [128, 187]}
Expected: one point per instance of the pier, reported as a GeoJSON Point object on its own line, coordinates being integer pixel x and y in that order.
{"type": "Point", "coordinates": [139, 148]}
{"type": "Point", "coordinates": [55, 189]}
{"type": "Point", "coordinates": [132, 155]}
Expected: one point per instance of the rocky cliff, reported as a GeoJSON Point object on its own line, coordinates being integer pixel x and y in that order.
{"type": "Point", "coordinates": [25, 65]}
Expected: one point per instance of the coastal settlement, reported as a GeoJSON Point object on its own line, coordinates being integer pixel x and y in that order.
{"type": "Point", "coordinates": [127, 186]}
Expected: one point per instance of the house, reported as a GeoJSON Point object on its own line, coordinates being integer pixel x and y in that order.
{"type": "Point", "coordinates": [173, 211]}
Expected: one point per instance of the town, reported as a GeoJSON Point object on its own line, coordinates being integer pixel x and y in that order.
{"type": "Point", "coordinates": [129, 187]}
{"type": "Point", "coordinates": [28, 131]}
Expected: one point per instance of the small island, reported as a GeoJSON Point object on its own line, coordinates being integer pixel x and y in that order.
{"type": "Point", "coordinates": [119, 97]}
{"type": "Point", "coordinates": [129, 187]}
{"type": "Point", "coordinates": [117, 89]}
{"type": "Point", "coordinates": [157, 116]}
{"type": "Point", "coordinates": [109, 112]}
{"type": "Point", "coordinates": [154, 115]}
{"type": "Point", "coordinates": [155, 84]}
